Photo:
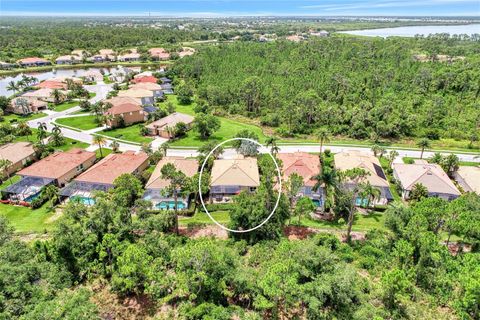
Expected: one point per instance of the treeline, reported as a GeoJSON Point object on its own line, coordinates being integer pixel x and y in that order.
{"type": "Point", "coordinates": [356, 87]}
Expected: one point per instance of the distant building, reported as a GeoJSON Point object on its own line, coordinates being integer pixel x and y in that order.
{"type": "Point", "coordinates": [376, 177]}
{"type": "Point", "coordinates": [159, 54]}
{"type": "Point", "coordinates": [128, 113]}
{"type": "Point", "coordinates": [468, 177]}
{"type": "Point", "coordinates": [229, 177]}
{"type": "Point", "coordinates": [68, 59]}
{"type": "Point", "coordinates": [33, 62]}
{"type": "Point", "coordinates": [18, 153]}
{"type": "Point", "coordinates": [430, 175]}
{"type": "Point", "coordinates": [51, 84]}
{"type": "Point", "coordinates": [155, 88]}
{"type": "Point", "coordinates": [322, 33]}
{"type": "Point", "coordinates": [186, 51]}
{"type": "Point", "coordinates": [129, 57]}
{"type": "Point", "coordinates": [145, 97]}
{"type": "Point", "coordinates": [44, 94]}
{"type": "Point", "coordinates": [149, 79]}
{"type": "Point", "coordinates": [164, 127]}
{"type": "Point", "coordinates": [155, 187]}
{"type": "Point", "coordinates": [93, 75]}
{"type": "Point", "coordinates": [24, 106]}
{"type": "Point", "coordinates": [6, 65]}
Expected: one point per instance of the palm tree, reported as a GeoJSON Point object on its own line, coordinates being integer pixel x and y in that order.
{"type": "Point", "coordinates": [391, 157]}
{"type": "Point", "coordinates": [12, 86]}
{"type": "Point", "coordinates": [375, 149]}
{"type": "Point", "coordinates": [56, 138]}
{"type": "Point", "coordinates": [41, 132]}
{"type": "Point", "coordinates": [57, 96]}
{"type": "Point", "coordinates": [115, 146]}
{"type": "Point", "coordinates": [272, 142]}
{"type": "Point", "coordinates": [327, 179]}
{"type": "Point", "coordinates": [423, 143]}
{"type": "Point", "coordinates": [23, 129]}
{"type": "Point", "coordinates": [100, 141]}
{"type": "Point", "coordinates": [4, 165]}
{"type": "Point", "coordinates": [164, 147]}
{"type": "Point", "coordinates": [369, 192]}
{"type": "Point", "coordinates": [324, 136]}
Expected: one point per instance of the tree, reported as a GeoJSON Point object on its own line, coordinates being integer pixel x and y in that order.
{"type": "Point", "coordinates": [450, 164]}
{"type": "Point", "coordinates": [392, 155]}
{"type": "Point", "coordinates": [205, 149]}
{"type": "Point", "coordinates": [184, 93]}
{"type": "Point", "coordinates": [12, 86]}
{"type": "Point", "coordinates": [41, 132]}
{"type": "Point", "coordinates": [418, 192]}
{"type": "Point", "coordinates": [57, 138]}
{"type": "Point", "coordinates": [323, 135]}
{"type": "Point", "coordinates": [328, 181]}
{"type": "Point", "coordinates": [178, 185]}
{"type": "Point", "coordinates": [206, 124]}
{"type": "Point", "coordinates": [132, 271]}
{"type": "Point", "coordinates": [4, 166]}
{"type": "Point", "coordinates": [23, 129]}
{"type": "Point", "coordinates": [147, 148]}
{"type": "Point", "coordinates": [252, 93]}
{"type": "Point", "coordinates": [57, 96]}
{"type": "Point", "coordinates": [100, 141]}
{"type": "Point", "coordinates": [127, 190]}
{"type": "Point", "coordinates": [369, 193]}
{"type": "Point", "coordinates": [245, 147]}
{"type": "Point", "coordinates": [272, 143]}
{"type": "Point", "coordinates": [85, 105]}
{"type": "Point", "coordinates": [423, 144]}
{"type": "Point", "coordinates": [4, 103]}
{"type": "Point", "coordinates": [304, 205]}
{"type": "Point", "coordinates": [52, 193]}
{"type": "Point", "coordinates": [115, 146]}
{"type": "Point", "coordinates": [292, 187]}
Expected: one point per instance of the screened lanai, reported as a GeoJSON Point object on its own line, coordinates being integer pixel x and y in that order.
{"type": "Point", "coordinates": [27, 189]}
{"type": "Point", "coordinates": [83, 191]}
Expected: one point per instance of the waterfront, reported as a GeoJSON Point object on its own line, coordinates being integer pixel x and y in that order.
{"type": "Point", "coordinates": [414, 30]}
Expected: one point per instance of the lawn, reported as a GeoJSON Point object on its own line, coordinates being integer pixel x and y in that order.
{"type": "Point", "coordinates": [130, 133]}
{"type": "Point", "coordinates": [7, 183]}
{"type": "Point", "coordinates": [70, 144]}
{"type": "Point", "coordinates": [81, 122]}
{"type": "Point", "coordinates": [16, 118]}
{"type": "Point", "coordinates": [26, 220]}
{"type": "Point", "coordinates": [201, 217]}
{"type": "Point", "coordinates": [228, 128]}
{"type": "Point", "coordinates": [63, 106]}
{"type": "Point", "coordinates": [105, 152]}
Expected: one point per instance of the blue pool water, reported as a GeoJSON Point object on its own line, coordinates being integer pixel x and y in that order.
{"type": "Point", "coordinates": [317, 203]}
{"type": "Point", "coordinates": [32, 197]}
{"type": "Point", "coordinates": [170, 205]}
{"type": "Point", "coordinates": [85, 200]}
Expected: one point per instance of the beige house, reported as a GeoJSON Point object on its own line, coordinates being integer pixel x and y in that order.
{"type": "Point", "coordinates": [231, 176]}
{"type": "Point", "coordinates": [369, 163]}
{"type": "Point", "coordinates": [68, 59]}
{"type": "Point", "coordinates": [145, 97]}
{"type": "Point", "coordinates": [154, 87]}
{"type": "Point", "coordinates": [163, 127]}
{"type": "Point", "coordinates": [33, 62]}
{"type": "Point", "coordinates": [18, 153]}
{"type": "Point", "coordinates": [429, 175]}
{"type": "Point", "coordinates": [22, 105]}
{"type": "Point", "coordinates": [129, 57]}
{"type": "Point", "coordinates": [121, 100]}
{"type": "Point", "coordinates": [154, 189]}
{"type": "Point", "coordinates": [159, 53]}
{"type": "Point", "coordinates": [44, 94]}
{"type": "Point", "coordinates": [129, 113]}
{"type": "Point", "coordinates": [468, 177]}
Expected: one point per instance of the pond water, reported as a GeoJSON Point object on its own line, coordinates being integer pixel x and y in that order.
{"type": "Point", "coordinates": [414, 30]}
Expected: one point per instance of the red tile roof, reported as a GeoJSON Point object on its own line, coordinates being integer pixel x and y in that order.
{"type": "Point", "coordinates": [304, 164]}
{"type": "Point", "coordinates": [58, 164]}
{"type": "Point", "coordinates": [123, 108]}
{"type": "Point", "coordinates": [52, 85]}
{"type": "Point", "coordinates": [151, 79]}
{"type": "Point", "coordinates": [113, 166]}
{"type": "Point", "coordinates": [32, 60]}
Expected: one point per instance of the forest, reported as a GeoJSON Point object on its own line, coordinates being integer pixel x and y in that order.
{"type": "Point", "coordinates": [363, 88]}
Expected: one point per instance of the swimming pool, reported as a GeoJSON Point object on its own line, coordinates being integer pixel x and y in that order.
{"type": "Point", "coordinates": [32, 197]}
{"type": "Point", "coordinates": [170, 205]}
{"type": "Point", "coordinates": [85, 200]}
{"type": "Point", "coordinates": [317, 203]}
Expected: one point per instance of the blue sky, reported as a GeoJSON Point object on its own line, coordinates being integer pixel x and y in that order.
{"type": "Point", "coordinates": [201, 8]}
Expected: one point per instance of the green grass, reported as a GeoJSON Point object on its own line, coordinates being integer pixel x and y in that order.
{"type": "Point", "coordinates": [105, 152]}
{"type": "Point", "coordinates": [70, 144]}
{"type": "Point", "coordinates": [107, 80]}
{"type": "Point", "coordinates": [228, 128]}
{"type": "Point", "coordinates": [130, 133]}
{"type": "Point", "coordinates": [26, 220]}
{"type": "Point", "coordinates": [63, 106]}
{"type": "Point", "coordinates": [7, 182]}
{"type": "Point", "coordinates": [92, 94]}
{"type": "Point", "coordinates": [374, 220]}
{"type": "Point", "coordinates": [201, 217]}
{"type": "Point", "coordinates": [17, 118]}
{"type": "Point", "coordinates": [82, 122]}
{"type": "Point", "coordinates": [393, 190]}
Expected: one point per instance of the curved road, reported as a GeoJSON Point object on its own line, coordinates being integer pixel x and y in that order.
{"type": "Point", "coordinates": [101, 90]}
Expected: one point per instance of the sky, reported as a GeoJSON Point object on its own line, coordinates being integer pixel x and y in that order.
{"type": "Point", "coordinates": [220, 8]}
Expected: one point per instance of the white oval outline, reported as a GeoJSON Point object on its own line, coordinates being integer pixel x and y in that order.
{"type": "Point", "coordinates": [200, 186]}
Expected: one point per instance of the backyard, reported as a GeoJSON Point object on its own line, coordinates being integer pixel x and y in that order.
{"type": "Point", "coordinates": [26, 220]}
{"type": "Point", "coordinates": [130, 133]}
{"type": "Point", "coordinates": [12, 118]}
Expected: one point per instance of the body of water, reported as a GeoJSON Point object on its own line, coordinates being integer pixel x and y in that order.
{"type": "Point", "coordinates": [414, 30]}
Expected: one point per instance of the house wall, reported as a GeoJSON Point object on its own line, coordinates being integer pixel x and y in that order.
{"type": "Point", "coordinates": [222, 194]}
{"type": "Point", "coordinates": [63, 180]}
{"type": "Point", "coordinates": [129, 118]}
{"type": "Point", "coordinates": [14, 167]}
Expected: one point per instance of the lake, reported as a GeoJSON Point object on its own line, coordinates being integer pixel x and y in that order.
{"type": "Point", "coordinates": [414, 30]}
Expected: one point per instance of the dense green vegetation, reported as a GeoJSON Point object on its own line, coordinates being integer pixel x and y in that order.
{"type": "Point", "coordinates": [356, 87]}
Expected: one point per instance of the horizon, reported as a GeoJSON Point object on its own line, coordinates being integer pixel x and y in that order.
{"type": "Point", "coordinates": [238, 8]}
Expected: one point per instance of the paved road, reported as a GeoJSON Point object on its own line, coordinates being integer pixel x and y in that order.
{"type": "Point", "coordinates": [101, 89]}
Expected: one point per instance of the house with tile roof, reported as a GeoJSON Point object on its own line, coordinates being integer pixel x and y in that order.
{"type": "Point", "coordinates": [164, 127]}
{"type": "Point", "coordinates": [430, 175]}
{"type": "Point", "coordinates": [124, 113]}
{"type": "Point", "coordinates": [376, 177]}
{"type": "Point", "coordinates": [52, 84]}
{"type": "Point", "coordinates": [101, 176]}
{"type": "Point", "coordinates": [68, 59]}
{"type": "Point", "coordinates": [129, 57]}
{"type": "Point", "coordinates": [33, 62]}
{"type": "Point", "coordinates": [468, 177]}
{"type": "Point", "coordinates": [229, 177]}
{"type": "Point", "coordinates": [155, 187]}
{"type": "Point", "coordinates": [144, 79]}
{"type": "Point", "coordinates": [21, 105]}
{"type": "Point", "coordinates": [44, 94]}
{"type": "Point", "coordinates": [154, 87]}
{"type": "Point", "coordinates": [307, 166]}
{"type": "Point", "coordinates": [145, 97]}
{"type": "Point", "coordinates": [19, 154]}
{"type": "Point", "coordinates": [159, 54]}
{"type": "Point", "coordinates": [58, 169]}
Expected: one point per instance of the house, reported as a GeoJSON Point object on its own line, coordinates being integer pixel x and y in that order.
{"type": "Point", "coordinates": [121, 100]}
{"type": "Point", "coordinates": [229, 177]}
{"type": "Point", "coordinates": [307, 166]}
{"type": "Point", "coordinates": [165, 80]}
{"type": "Point", "coordinates": [468, 177]}
{"type": "Point", "coordinates": [155, 187]}
{"type": "Point", "coordinates": [145, 79]}
{"type": "Point", "coordinates": [125, 113]}
{"type": "Point", "coordinates": [20, 105]}
{"type": "Point", "coordinates": [159, 54]}
{"type": "Point", "coordinates": [144, 96]}
{"type": "Point", "coordinates": [376, 177]}
{"type": "Point", "coordinates": [44, 94]}
{"type": "Point", "coordinates": [120, 73]}
{"type": "Point", "coordinates": [6, 65]}
{"type": "Point", "coordinates": [143, 74]}
{"type": "Point", "coordinates": [102, 175]}
{"type": "Point", "coordinates": [155, 88]}
{"type": "Point", "coordinates": [51, 84]}
{"type": "Point", "coordinates": [33, 62]}
{"type": "Point", "coordinates": [57, 169]}
{"type": "Point", "coordinates": [129, 57]}
{"type": "Point", "coordinates": [19, 154]}
{"type": "Point", "coordinates": [429, 175]}
{"type": "Point", "coordinates": [163, 127]}
{"type": "Point", "coordinates": [68, 59]}
{"type": "Point", "coordinates": [295, 38]}
{"type": "Point", "coordinates": [79, 53]}
{"type": "Point", "coordinates": [93, 75]}
{"type": "Point", "coordinates": [321, 33]}
{"type": "Point", "coordinates": [186, 51]}
{"type": "Point", "coordinates": [103, 55]}
{"type": "Point", "coordinates": [167, 88]}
